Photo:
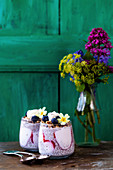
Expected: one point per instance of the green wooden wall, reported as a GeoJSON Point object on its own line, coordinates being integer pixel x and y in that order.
{"type": "Point", "coordinates": [34, 36]}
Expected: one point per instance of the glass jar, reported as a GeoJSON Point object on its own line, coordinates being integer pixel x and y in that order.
{"type": "Point", "coordinates": [28, 136]}
{"type": "Point", "coordinates": [86, 110]}
{"type": "Point", "coordinates": [57, 142]}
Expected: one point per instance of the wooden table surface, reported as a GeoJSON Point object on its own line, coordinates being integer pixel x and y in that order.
{"type": "Point", "coordinates": [100, 157]}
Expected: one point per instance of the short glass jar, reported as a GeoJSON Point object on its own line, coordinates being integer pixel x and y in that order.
{"type": "Point", "coordinates": [56, 141]}
{"type": "Point", "coordinates": [29, 134]}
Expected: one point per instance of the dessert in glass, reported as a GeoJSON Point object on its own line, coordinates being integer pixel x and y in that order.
{"type": "Point", "coordinates": [29, 129]}
{"type": "Point", "coordinates": [56, 137]}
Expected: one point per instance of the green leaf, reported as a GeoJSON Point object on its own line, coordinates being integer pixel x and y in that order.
{"type": "Point", "coordinates": [88, 98]}
{"type": "Point", "coordinates": [88, 56]}
{"type": "Point", "coordinates": [80, 88]}
{"type": "Point", "coordinates": [85, 41]}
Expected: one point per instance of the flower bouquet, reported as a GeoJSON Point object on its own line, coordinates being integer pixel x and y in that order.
{"type": "Point", "coordinates": [86, 71]}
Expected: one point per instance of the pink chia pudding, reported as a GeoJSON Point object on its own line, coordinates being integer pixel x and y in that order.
{"type": "Point", "coordinates": [29, 129]}
{"type": "Point", "coordinates": [56, 137]}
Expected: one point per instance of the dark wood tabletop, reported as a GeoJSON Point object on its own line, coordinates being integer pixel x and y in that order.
{"type": "Point", "coordinates": [99, 157]}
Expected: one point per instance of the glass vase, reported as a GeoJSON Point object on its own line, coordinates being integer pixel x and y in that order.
{"type": "Point", "coordinates": [85, 112]}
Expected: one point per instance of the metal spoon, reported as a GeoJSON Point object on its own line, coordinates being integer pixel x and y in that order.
{"type": "Point", "coordinates": [32, 159]}
{"type": "Point", "coordinates": [18, 152]}
{"type": "Point", "coordinates": [28, 159]}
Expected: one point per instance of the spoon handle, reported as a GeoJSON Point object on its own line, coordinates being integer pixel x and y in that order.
{"type": "Point", "coordinates": [13, 153]}
{"type": "Point", "coordinates": [19, 152]}
{"type": "Point", "coordinates": [26, 153]}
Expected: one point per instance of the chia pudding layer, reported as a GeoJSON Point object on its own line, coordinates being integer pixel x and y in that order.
{"type": "Point", "coordinates": [56, 141]}
{"type": "Point", "coordinates": [28, 136]}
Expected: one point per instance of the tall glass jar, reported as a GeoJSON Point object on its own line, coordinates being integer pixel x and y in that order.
{"type": "Point", "coordinates": [28, 136]}
{"type": "Point", "coordinates": [85, 112]}
{"type": "Point", "coordinates": [58, 142]}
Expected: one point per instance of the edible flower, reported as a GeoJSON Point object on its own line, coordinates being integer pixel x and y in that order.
{"type": "Point", "coordinates": [42, 112]}
{"type": "Point", "coordinates": [63, 119]}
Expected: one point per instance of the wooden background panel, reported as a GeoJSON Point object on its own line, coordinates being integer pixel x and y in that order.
{"type": "Point", "coordinates": [80, 16]}
{"type": "Point", "coordinates": [35, 50]}
{"type": "Point", "coordinates": [42, 54]}
{"type": "Point", "coordinates": [21, 92]}
{"type": "Point", "coordinates": [38, 51]}
{"type": "Point", "coordinates": [29, 17]}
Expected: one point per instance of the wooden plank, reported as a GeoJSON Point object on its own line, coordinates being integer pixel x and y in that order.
{"type": "Point", "coordinates": [35, 50]}
{"type": "Point", "coordinates": [80, 16]}
{"type": "Point", "coordinates": [39, 51]}
{"type": "Point", "coordinates": [52, 17]}
{"type": "Point", "coordinates": [83, 158]}
{"type": "Point", "coordinates": [28, 17]}
{"type": "Point", "coordinates": [21, 92]}
{"type": "Point", "coordinates": [65, 16]}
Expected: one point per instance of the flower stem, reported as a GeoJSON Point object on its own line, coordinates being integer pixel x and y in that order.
{"type": "Point", "coordinates": [96, 110]}
{"type": "Point", "coordinates": [82, 122]}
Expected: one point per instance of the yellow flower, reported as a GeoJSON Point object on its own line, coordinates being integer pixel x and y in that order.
{"type": "Point", "coordinates": [65, 61]}
{"type": "Point", "coordinates": [65, 57]}
{"type": "Point", "coordinates": [63, 119]}
{"type": "Point", "coordinates": [66, 68]}
{"type": "Point", "coordinates": [72, 73]}
{"type": "Point", "coordinates": [69, 56]}
{"type": "Point", "coordinates": [71, 79]}
{"type": "Point", "coordinates": [41, 112]}
{"type": "Point", "coordinates": [78, 64]}
{"type": "Point", "coordinates": [86, 69]}
{"type": "Point", "coordinates": [61, 61]}
{"type": "Point", "coordinates": [83, 78]}
{"type": "Point", "coordinates": [77, 83]}
{"type": "Point", "coordinates": [60, 66]}
{"type": "Point", "coordinates": [62, 75]}
{"type": "Point", "coordinates": [71, 61]}
{"type": "Point", "coordinates": [78, 70]}
{"type": "Point", "coordinates": [77, 56]}
{"type": "Point", "coordinates": [83, 63]}
{"type": "Point", "coordinates": [105, 80]}
{"type": "Point", "coordinates": [69, 67]}
{"type": "Point", "coordinates": [76, 77]}
{"type": "Point", "coordinates": [90, 81]}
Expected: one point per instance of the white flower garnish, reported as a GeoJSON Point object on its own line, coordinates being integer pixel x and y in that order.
{"type": "Point", "coordinates": [63, 119]}
{"type": "Point", "coordinates": [31, 113]}
{"type": "Point", "coordinates": [52, 115]}
{"type": "Point", "coordinates": [42, 112]}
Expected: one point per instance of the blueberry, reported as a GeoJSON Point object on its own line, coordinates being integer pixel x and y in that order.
{"type": "Point", "coordinates": [57, 117]}
{"type": "Point", "coordinates": [26, 114]}
{"type": "Point", "coordinates": [54, 121]}
{"type": "Point", "coordinates": [45, 118]}
{"type": "Point", "coordinates": [34, 118]}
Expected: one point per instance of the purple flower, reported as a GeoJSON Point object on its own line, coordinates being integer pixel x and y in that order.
{"type": "Point", "coordinates": [98, 43]}
{"type": "Point", "coordinates": [80, 52]}
{"type": "Point", "coordinates": [102, 59]}
{"type": "Point", "coordinates": [77, 59]}
{"type": "Point", "coordinates": [111, 69]}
